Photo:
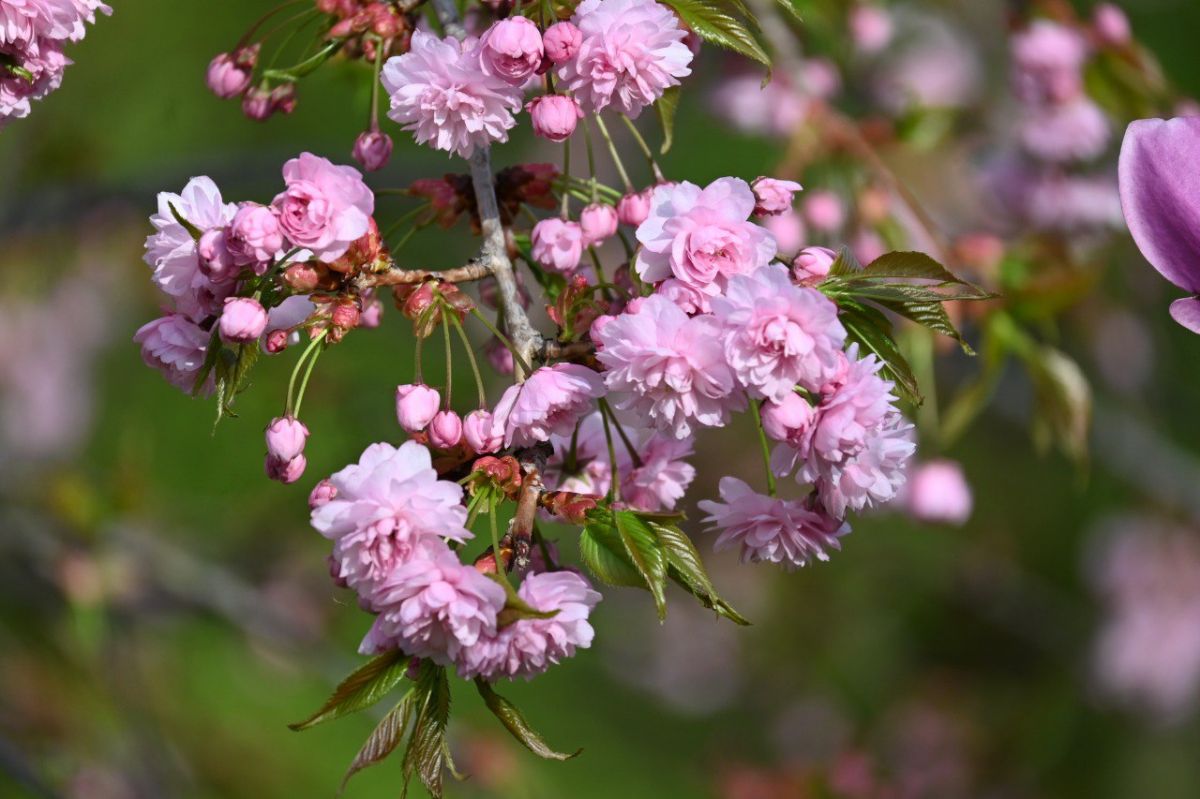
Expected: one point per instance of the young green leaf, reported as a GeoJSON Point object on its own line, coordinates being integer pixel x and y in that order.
{"type": "Point", "coordinates": [931, 315]}
{"type": "Point", "coordinates": [516, 724]}
{"type": "Point", "coordinates": [871, 329]}
{"type": "Point", "coordinates": [724, 23]}
{"type": "Point", "coordinates": [383, 739]}
{"type": "Point", "coordinates": [192, 230]}
{"type": "Point", "coordinates": [605, 557]}
{"type": "Point", "coordinates": [426, 754]}
{"type": "Point", "coordinates": [363, 688]}
{"type": "Point", "coordinates": [685, 567]}
{"type": "Point", "coordinates": [646, 554]}
{"type": "Point", "coordinates": [666, 106]}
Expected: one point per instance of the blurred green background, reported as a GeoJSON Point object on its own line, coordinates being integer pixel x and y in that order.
{"type": "Point", "coordinates": [165, 611]}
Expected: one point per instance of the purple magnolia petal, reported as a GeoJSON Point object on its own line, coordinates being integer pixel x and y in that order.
{"type": "Point", "coordinates": [1187, 313]}
{"type": "Point", "coordinates": [1160, 193]}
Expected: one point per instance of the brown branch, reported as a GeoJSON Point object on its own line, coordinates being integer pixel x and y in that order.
{"type": "Point", "coordinates": [395, 276]}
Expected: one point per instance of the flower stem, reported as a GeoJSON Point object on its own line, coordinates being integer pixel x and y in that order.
{"type": "Point", "coordinates": [373, 120]}
{"type": "Point", "coordinates": [449, 359]}
{"type": "Point", "coordinates": [591, 157]}
{"type": "Point", "coordinates": [500, 568]}
{"type": "Point", "coordinates": [503, 339]}
{"type": "Point", "coordinates": [466, 342]}
{"type": "Point", "coordinates": [645, 148]}
{"type": "Point", "coordinates": [607, 411]}
{"type": "Point", "coordinates": [614, 484]}
{"type": "Point", "coordinates": [616, 156]}
{"type": "Point", "coordinates": [566, 197]}
{"type": "Point", "coordinates": [766, 447]}
{"type": "Point", "coordinates": [312, 361]}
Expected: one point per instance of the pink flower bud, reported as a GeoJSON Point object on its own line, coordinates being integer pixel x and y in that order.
{"type": "Point", "coordinates": [938, 492]}
{"type": "Point", "coordinates": [283, 98]}
{"type": "Point", "coordinates": [322, 493]}
{"type": "Point", "coordinates": [561, 41]}
{"type": "Point", "coordinates": [256, 104]}
{"type": "Point", "coordinates": [225, 78]}
{"type": "Point", "coordinates": [277, 341]}
{"type": "Point", "coordinates": [480, 432]}
{"type": "Point", "coordinates": [1111, 25]}
{"type": "Point", "coordinates": [511, 49]}
{"type": "Point", "coordinates": [824, 211]}
{"type": "Point", "coordinates": [242, 320]}
{"type": "Point", "coordinates": [301, 278]}
{"type": "Point", "coordinates": [773, 196]}
{"type": "Point", "coordinates": [633, 208]}
{"type": "Point", "coordinates": [254, 235]}
{"type": "Point", "coordinates": [446, 430]}
{"type": "Point", "coordinates": [788, 230]}
{"type": "Point", "coordinates": [416, 405]}
{"type": "Point", "coordinates": [372, 315]}
{"type": "Point", "coordinates": [345, 315]}
{"type": "Point", "coordinates": [813, 262]}
{"type": "Point", "coordinates": [216, 262]}
{"type": "Point", "coordinates": [372, 149]}
{"type": "Point", "coordinates": [787, 420]}
{"type": "Point", "coordinates": [557, 245]}
{"type": "Point", "coordinates": [286, 472]}
{"type": "Point", "coordinates": [554, 116]}
{"type": "Point", "coordinates": [598, 222]}
{"type": "Point", "coordinates": [500, 358]}
{"type": "Point", "coordinates": [286, 437]}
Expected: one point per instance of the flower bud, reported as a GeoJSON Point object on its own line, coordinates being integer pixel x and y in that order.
{"type": "Point", "coordinates": [511, 49]}
{"type": "Point", "coordinates": [813, 262]}
{"type": "Point", "coordinates": [772, 197]}
{"type": "Point", "coordinates": [322, 493]}
{"type": "Point", "coordinates": [562, 41]}
{"type": "Point", "coordinates": [554, 116]}
{"type": "Point", "coordinates": [254, 235]}
{"type": "Point", "coordinates": [478, 429]}
{"type": "Point", "coordinates": [302, 278]}
{"type": "Point", "coordinates": [788, 230]}
{"type": "Point", "coordinates": [500, 357]}
{"type": "Point", "coordinates": [557, 245]}
{"type": "Point", "coordinates": [870, 28]}
{"type": "Point", "coordinates": [372, 149]}
{"type": "Point", "coordinates": [256, 104]}
{"type": "Point", "coordinates": [216, 262]}
{"type": "Point", "coordinates": [345, 315]}
{"type": "Point", "coordinates": [277, 341]}
{"type": "Point", "coordinates": [416, 405]}
{"type": "Point", "coordinates": [446, 430]}
{"type": "Point", "coordinates": [283, 98]}
{"type": "Point", "coordinates": [1111, 25]}
{"type": "Point", "coordinates": [633, 208]}
{"type": "Point", "coordinates": [938, 492]}
{"type": "Point", "coordinates": [242, 320]}
{"type": "Point", "coordinates": [418, 301]}
{"type": "Point", "coordinates": [787, 420]}
{"type": "Point", "coordinates": [286, 437]}
{"type": "Point", "coordinates": [598, 223]}
{"type": "Point", "coordinates": [372, 314]}
{"type": "Point", "coordinates": [286, 472]}
{"type": "Point", "coordinates": [225, 78]}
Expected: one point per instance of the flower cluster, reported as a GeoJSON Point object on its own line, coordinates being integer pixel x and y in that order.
{"type": "Point", "coordinates": [32, 36]}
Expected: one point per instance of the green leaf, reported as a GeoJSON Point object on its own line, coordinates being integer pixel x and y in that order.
{"type": "Point", "coordinates": [232, 376]}
{"type": "Point", "coordinates": [604, 555]}
{"type": "Point", "coordinates": [646, 554]}
{"type": "Point", "coordinates": [726, 24]}
{"type": "Point", "coordinates": [426, 754]}
{"type": "Point", "coordinates": [931, 315]}
{"type": "Point", "coordinates": [685, 567]}
{"type": "Point", "coordinates": [363, 688]}
{"type": "Point", "coordinates": [306, 67]}
{"type": "Point", "coordinates": [192, 230]}
{"type": "Point", "coordinates": [666, 106]}
{"type": "Point", "coordinates": [871, 329]}
{"type": "Point", "coordinates": [792, 7]}
{"type": "Point", "coordinates": [516, 724]}
{"type": "Point", "coordinates": [1063, 402]}
{"type": "Point", "coordinates": [888, 276]}
{"type": "Point", "coordinates": [383, 739]}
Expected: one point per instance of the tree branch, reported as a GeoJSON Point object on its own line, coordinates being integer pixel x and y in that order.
{"type": "Point", "coordinates": [395, 276]}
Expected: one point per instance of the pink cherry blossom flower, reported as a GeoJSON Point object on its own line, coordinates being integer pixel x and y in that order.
{"type": "Point", "coordinates": [777, 334]}
{"type": "Point", "coordinates": [433, 606]}
{"type": "Point", "coordinates": [286, 472]}
{"type": "Point", "coordinates": [550, 401]}
{"type": "Point", "coordinates": [173, 253]}
{"type": "Point", "coordinates": [770, 529]}
{"type": "Point", "coordinates": [226, 78]}
{"type": "Point", "coordinates": [776, 109]}
{"type": "Point", "coordinates": [1073, 131]}
{"type": "Point", "coordinates": [385, 506]}
{"type": "Point", "coordinates": [325, 208]}
{"type": "Point", "coordinates": [813, 263]}
{"type": "Point", "coordinates": [668, 369]}
{"type": "Point", "coordinates": [511, 50]}
{"type": "Point", "coordinates": [788, 420]}
{"type": "Point", "coordinates": [1111, 25]}
{"type": "Point", "coordinates": [788, 231]}
{"type": "Point", "coordinates": [243, 320]}
{"type": "Point", "coordinates": [557, 245]}
{"type": "Point", "coordinates": [528, 647]}
{"type": "Point", "coordinates": [632, 51]}
{"type": "Point", "coordinates": [773, 196]}
{"type": "Point", "coordinates": [479, 430]}
{"type": "Point", "coordinates": [824, 211]}
{"type": "Point", "coordinates": [858, 447]}
{"type": "Point", "coordinates": [440, 93]}
{"type": "Point", "coordinates": [446, 429]}
{"type": "Point", "coordinates": [554, 116]}
{"type": "Point", "coordinates": [1048, 61]}
{"type": "Point", "coordinates": [598, 223]}
{"type": "Point", "coordinates": [662, 478]}
{"type": "Point", "coordinates": [176, 346]}
{"type": "Point", "coordinates": [322, 493]}
{"type": "Point", "coordinates": [43, 61]}
{"type": "Point", "coordinates": [286, 437]}
{"type": "Point", "coordinates": [690, 300]}
{"type": "Point", "coordinates": [216, 262]}
{"type": "Point", "coordinates": [937, 492]}
{"type": "Point", "coordinates": [702, 236]}
{"type": "Point", "coordinates": [416, 405]}
{"type": "Point", "coordinates": [871, 28]}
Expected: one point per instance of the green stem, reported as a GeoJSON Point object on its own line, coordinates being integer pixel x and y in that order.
{"type": "Point", "coordinates": [291, 391]}
{"type": "Point", "coordinates": [614, 486]}
{"type": "Point", "coordinates": [312, 361]}
{"type": "Point", "coordinates": [373, 119]}
{"type": "Point", "coordinates": [503, 339]}
{"type": "Point", "coordinates": [766, 447]}
{"type": "Point", "coordinates": [259, 22]}
{"type": "Point", "coordinates": [466, 342]}
{"type": "Point", "coordinates": [645, 148]}
{"type": "Point", "coordinates": [566, 197]}
{"type": "Point", "coordinates": [591, 159]}
{"type": "Point", "coordinates": [616, 156]}
{"type": "Point", "coordinates": [500, 570]}
{"type": "Point", "coordinates": [294, 73]}
{"type": "Point", "coordinates": [449, 359]}
{"type": "Point", "coordinates": [607, 410]}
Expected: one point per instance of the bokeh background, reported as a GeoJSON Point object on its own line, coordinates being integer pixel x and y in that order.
{"type": "Point", "coordinates": [165, 611]}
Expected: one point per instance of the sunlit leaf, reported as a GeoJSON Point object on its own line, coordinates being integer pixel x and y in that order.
{"type": "Point", "coordinates": [686, 568]}
{"type": "Point", "coordinates": [646, 555]}
{"type": "Point", "coordinates": [363, 688]}
{"type": "Point", "coordinates": [383, 739]}
{"type": "Point", "coordinates": [516, 724]}
{"type": "Point", "coordinates": [726, 24]}
{"type": "Point", "coordinates": [426, 754]}
{"type": "Point", "coordinates": [871, 329]}
{"type": "Point", "coordinates": [666, 106]}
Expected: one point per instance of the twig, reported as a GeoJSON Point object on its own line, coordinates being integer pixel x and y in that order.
{"type": "Point", "coordinates": [395, 276]}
